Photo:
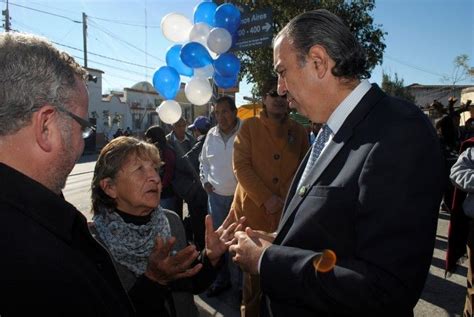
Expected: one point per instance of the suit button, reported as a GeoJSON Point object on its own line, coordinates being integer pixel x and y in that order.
{"type": "Point", "coordinates": [276, 156]}
{"type": "Point", "coordinates": [275, 180]}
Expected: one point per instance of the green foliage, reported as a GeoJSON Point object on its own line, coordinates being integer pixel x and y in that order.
{"type": "Point", "coordinates": [396, 87]}
{"type": "Point", "coordinates": [257, 64]}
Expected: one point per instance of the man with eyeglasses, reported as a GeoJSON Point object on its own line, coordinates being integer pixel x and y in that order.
{"type": "Point", "coordinates": [50, 263]}
{"type": "Point", "coordinates": [86, 127]}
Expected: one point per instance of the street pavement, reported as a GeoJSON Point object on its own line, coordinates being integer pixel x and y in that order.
{"type": "Point", "coordinates": [442, 297]}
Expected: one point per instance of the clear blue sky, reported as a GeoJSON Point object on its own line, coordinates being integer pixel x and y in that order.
{"type": "Point", "coordinates": [424, 36]}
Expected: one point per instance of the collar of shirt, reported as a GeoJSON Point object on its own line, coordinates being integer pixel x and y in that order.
{"type": "Point", "coordinates": [232, 132]}
{"type": "Point", "coordinates": [342, 111]}
{"type": "Point", "coordinates": [173, 135]}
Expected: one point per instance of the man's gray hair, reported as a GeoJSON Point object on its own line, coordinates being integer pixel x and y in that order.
{"type": "Point", "coordinates": [321, 27]}
{"type": "Point", "coordinates": [32, 73]}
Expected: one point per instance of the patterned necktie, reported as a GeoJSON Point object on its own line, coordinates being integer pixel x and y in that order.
{"type": "Point", "coordinates": [316, 149]}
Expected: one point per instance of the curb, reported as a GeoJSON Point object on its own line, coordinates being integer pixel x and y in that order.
{"type": "Point", "coordinates": [205, 310]}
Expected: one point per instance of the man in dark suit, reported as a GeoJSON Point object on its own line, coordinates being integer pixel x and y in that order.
{"type": "Point", "coordinates": [369, 189]}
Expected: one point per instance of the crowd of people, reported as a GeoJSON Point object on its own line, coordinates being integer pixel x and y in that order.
{"type": "Point", "coordinates": [262, 194]}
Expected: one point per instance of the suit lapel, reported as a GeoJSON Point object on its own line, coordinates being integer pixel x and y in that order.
{"type": "Point", "coordinates": [297, 195]}
{"type": "Point", "coordinates": [296, 179]}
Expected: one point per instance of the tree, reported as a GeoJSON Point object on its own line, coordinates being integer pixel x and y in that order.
{"type": "Point", "coordinates": [461, 70]}
{"type": "Point", "coordinates": [257, 64]}
{"type": "Point", "coordinates": [396, 87]}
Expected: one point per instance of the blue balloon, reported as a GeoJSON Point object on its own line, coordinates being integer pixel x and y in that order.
{"type": "Point", "coordinates": [174, 60]}
{"type": "Point", "coordinates": [227, 65]}
{"type": "Point", "coordinates": [166, 81]}
{"type": "Point", "coordinates": [228, 17]}
{"type": "Point", "coordinates": [195, 55]}
{"type": "Point", "coordinates": [225, 82]}
{"type": "Point", "coordinates": [205, 12]}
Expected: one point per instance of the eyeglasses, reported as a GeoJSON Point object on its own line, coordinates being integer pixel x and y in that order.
{"type": "Point", "coordinates": [86, 126]}
{"type": "Point", "coordinates": [274, 93]}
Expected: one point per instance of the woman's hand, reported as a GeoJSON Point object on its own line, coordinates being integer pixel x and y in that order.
{"type": "Point", "coordinates": [163, 267]}
{"type": "Point", "coordinates": [218, 242]}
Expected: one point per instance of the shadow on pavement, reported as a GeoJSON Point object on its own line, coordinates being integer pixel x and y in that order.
{"type": "Point", "coordinates": [445, 294]}
{"type": "Point", "coordinates": [460, 270]}
{"type": "Point", "coordinates": [444, 216]}
{"type": "Point", "coordinates": [227, 304]}
{"type": "Point", "coordinates": [441, 243]}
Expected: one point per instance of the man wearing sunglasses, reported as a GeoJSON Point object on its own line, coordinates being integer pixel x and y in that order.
{"type": "Point", "coordinates": [50, 263]}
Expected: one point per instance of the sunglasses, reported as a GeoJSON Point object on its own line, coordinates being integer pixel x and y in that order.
{"type": "Point", "coordinates": [274, 93]}
{"type": "Point", "coordinates": [86, 126]}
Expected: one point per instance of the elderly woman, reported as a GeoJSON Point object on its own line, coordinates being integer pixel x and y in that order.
{"type": "Point", "coordinates": [146, 241]}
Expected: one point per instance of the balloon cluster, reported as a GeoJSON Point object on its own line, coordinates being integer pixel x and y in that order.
{"type": "Point", "coordinates": [200, 52]}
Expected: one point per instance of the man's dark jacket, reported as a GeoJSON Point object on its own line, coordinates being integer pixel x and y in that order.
{"type": "Point", "coordinates": [373, 198]}
{"type": "Point", "coordinates": [50, 265]}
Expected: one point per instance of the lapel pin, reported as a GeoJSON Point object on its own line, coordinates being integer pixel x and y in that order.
{"type": "Point", "coordinates": [302, 191]}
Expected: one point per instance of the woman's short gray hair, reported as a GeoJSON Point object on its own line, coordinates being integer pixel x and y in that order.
{"type": "Point", "coordinates": [32, 72]}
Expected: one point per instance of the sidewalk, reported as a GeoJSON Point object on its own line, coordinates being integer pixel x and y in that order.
{"type": "Point", "coordinates": [226, 304]}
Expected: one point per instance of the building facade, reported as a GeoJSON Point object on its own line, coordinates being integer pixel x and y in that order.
{"type": "Point", "coordinates": [133, 108]}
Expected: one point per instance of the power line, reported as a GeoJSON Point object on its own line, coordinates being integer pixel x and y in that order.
{"type": "Point", "coordinates": [27, 27]}
{"type": "Point", "coordinates": [125, 22]}
{"type": "Point", "coordinates": [116, 37]}
{"type": "Point", "coordinates": [122, 22]}
{"type": "Point", "coordinates": [45, 12]}
{"type": "Point", "coordinates": [91, 53]}
{"type": "Point", "coordinates": [412, 66]}
{"type": "Point", "coordinates": [103, 56]}
{"type": "Point", "coordinates": [111, 66]}
{"type": "Point", "coordinates": [120, 77]}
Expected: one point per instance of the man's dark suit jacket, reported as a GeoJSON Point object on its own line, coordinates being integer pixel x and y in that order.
{"type": "Point", "coordinates": [372, 198]}
{"type": "Point", "coordinates": [50, 265]}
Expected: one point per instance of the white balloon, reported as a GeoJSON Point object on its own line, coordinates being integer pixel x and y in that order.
{"type": "Point", "coordinates": [213, 55]}
{"type": "Point", "coordinates": [219, 40]}
{"type": "Point", "coordinates": [204, 72]}
{"type": "Point", "coordinates": [176, 27]}
{"type": "Point", "coordinates": [169, 111]}
{"type": "Point", "coordinates": [199, 33]}
{"type": "Point", "coordinates": [198, 91]}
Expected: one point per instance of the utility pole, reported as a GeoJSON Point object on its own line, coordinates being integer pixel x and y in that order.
{"type": "Point", "coordinates": [6, 13]}
{"type": "Point", "coordinates": [84, 36]}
